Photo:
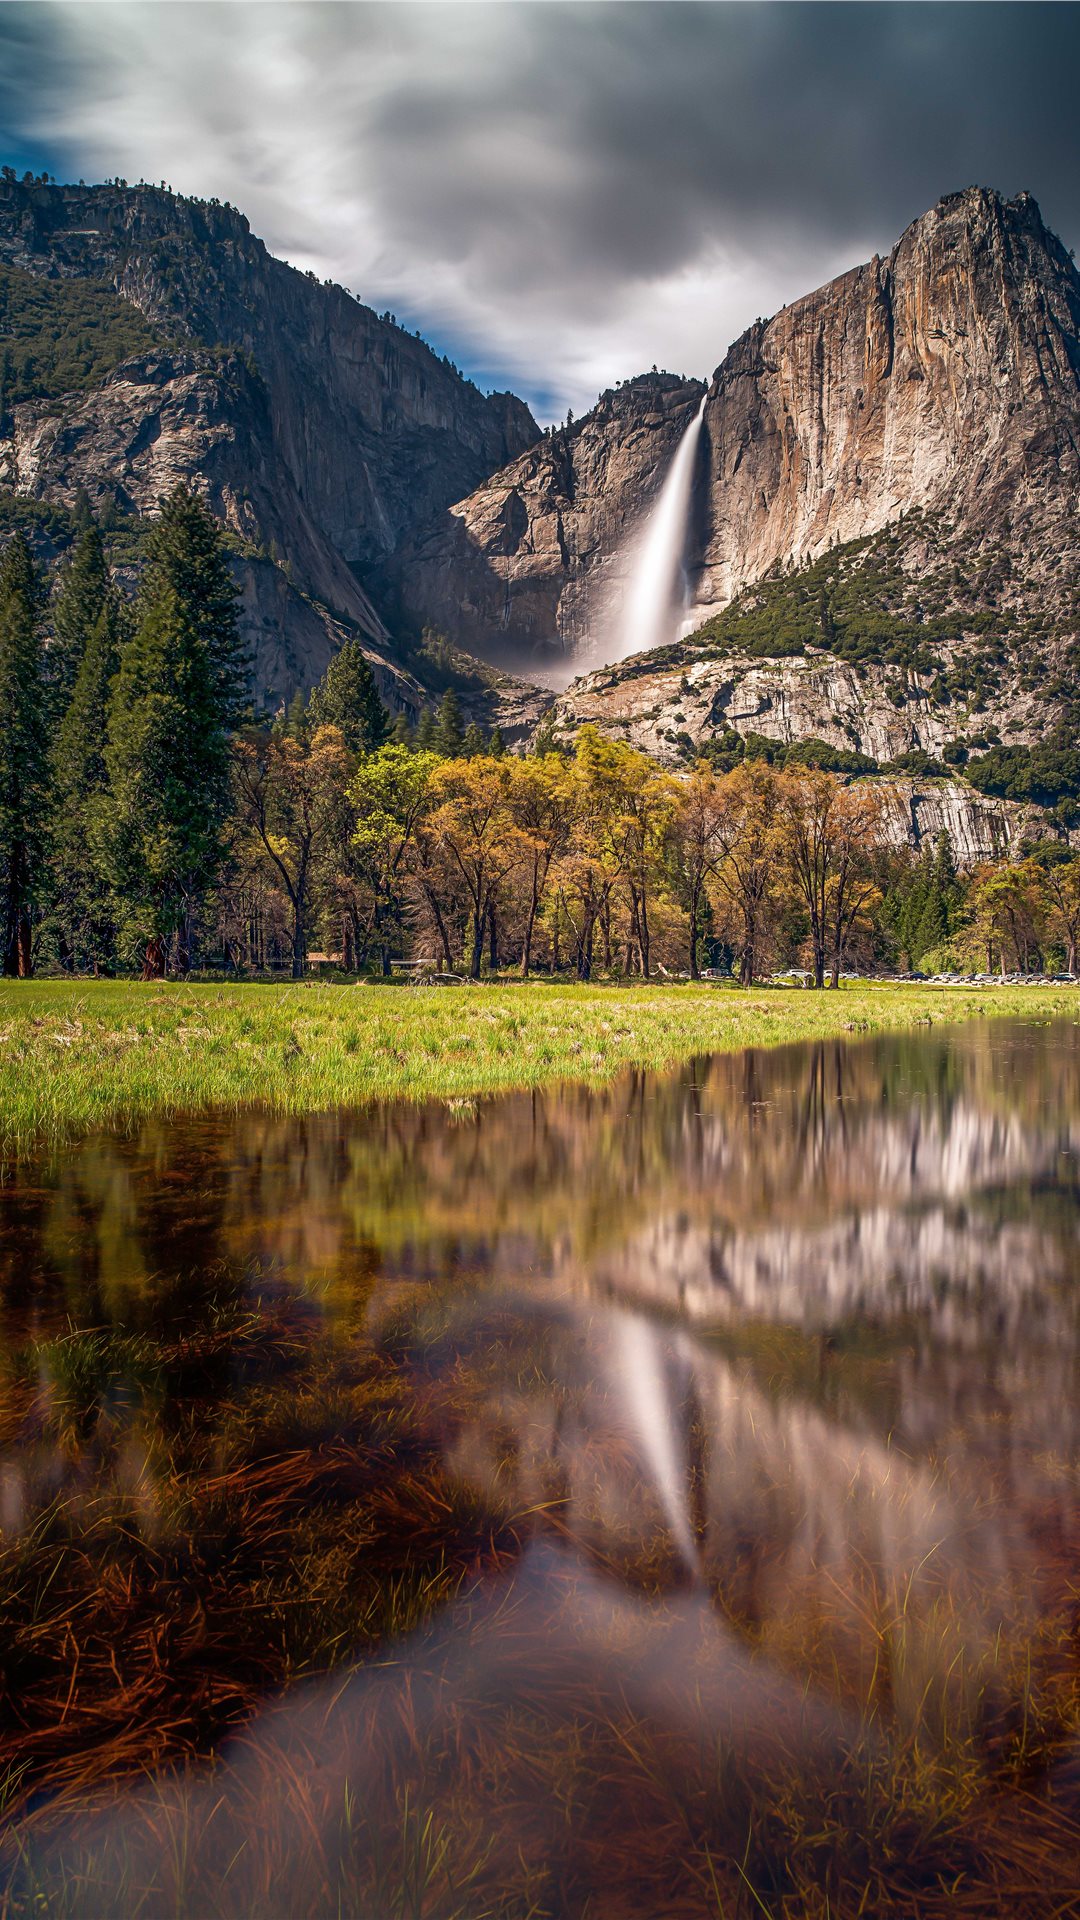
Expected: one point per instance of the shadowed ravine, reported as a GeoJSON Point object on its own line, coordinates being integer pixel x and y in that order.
{"type": "Point", "coordinates": [655, 1500]}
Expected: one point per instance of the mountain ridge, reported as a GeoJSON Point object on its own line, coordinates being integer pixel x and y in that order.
{"type": "Point", "coordinates": [944, 375]}
{"type": "Point", "coordinates": [319, 431]}
{"type": "Point", "coordinates": [883, 531]}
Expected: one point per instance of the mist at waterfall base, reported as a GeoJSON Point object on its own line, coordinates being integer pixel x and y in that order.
{"type": "Point", "coordinates": [657, 600]}
{"type": "Point", "coordinates": [653, 607]}
{"type": "Point", "coordinates": [765, 1374]}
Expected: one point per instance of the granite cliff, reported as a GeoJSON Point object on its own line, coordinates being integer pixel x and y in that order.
{"type": "Point", "coordinates": [319, 431]}
{"type": "Point", "coordinates": [524, 568]}
{"type": "Point", "coordinates": [882, 543]}
{"type": "Point", "coordinates": [943, 378]}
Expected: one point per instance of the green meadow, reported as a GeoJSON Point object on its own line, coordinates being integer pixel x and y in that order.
{"type": "Point", "coordinates": [74, 1055]}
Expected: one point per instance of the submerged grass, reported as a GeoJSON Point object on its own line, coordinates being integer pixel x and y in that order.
{"type": "Point", "coordinates": [270, 1502]}
{"type": "Point", "coordinates": [74, 1055]}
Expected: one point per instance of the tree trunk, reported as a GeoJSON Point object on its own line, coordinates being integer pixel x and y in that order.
{"type": "Point", "coordinates": [298, 946]}
{"type": "Point", "coordinates": [183, 946]}
{"type": "Point", "coordinates": [154, 958]}
{"type": "Point", "coordinates": [530, 923]}
{"type": "Point", "coordinates": [24, 958]}
{"type": "Point", "coordinates": [695, 909]}
{"type": "Point", "coordinates": [477, 944]}
{"type": "Point", "coordinates": [493, 938]}
{"type": "Point", "coordinates": [440, 925]}
{"type": "Point", "coordinates": [748, 957]}
{"type": "Point", "coordinates": [634, 942]}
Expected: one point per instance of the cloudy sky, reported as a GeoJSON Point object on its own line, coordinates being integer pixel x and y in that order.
{"type": "Point", "coordinates": [557, 195]}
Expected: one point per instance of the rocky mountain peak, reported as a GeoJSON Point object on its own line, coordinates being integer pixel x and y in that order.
{"type": "Point", "coordinates": [943, 377]}
{"type": "Point", "coordinates": [321, 432]}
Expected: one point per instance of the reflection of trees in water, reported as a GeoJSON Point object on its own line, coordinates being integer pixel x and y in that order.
{"type": "Point", "coordinates": [871, 1460]}
{"type": "Point", "coordinates": [562, 1178]}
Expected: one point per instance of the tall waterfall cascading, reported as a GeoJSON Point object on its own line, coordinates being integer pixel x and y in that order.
{"type": "Point", "coordinates": [650, 611]}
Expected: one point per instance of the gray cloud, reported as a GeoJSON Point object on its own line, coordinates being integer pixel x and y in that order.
{"type": "Point", "coordinates": [562, 194]}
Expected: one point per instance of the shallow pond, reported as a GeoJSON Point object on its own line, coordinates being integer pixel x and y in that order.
{"type": "Point", "coordinates": [650, 1502]}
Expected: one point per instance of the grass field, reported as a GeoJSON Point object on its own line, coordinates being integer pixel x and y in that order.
{"type": "Point", "coordinates": [79, 1053]}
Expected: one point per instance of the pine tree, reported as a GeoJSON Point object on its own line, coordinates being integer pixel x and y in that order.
{"type": "Point", "coordinates": [449, 735]}
{"type": "Point", "coordinates": [474, 743]}
{"type": "Point", "coordinates": [496, 744]}
{"type": "Point", "coordinates": [545, 739]}
{"type": "Point", "coordinates": [80, 891]}
{"type": "Point", "coordinates": [186, 553]}
{"type": "Point", "coordinates": [174, 699]}
{"type": "Point", "coordinates": [23, 754]}
{"type": "Point", "coordinates": [294, 720]}
{"type": "Point", "coordinates": [77, 607]}
{"type": "Point", "coordinates": [425, 741]}
{"type": "Point", "coordinates": [347, 698]}
{"type": "Point", "coordinates": [402, 735]}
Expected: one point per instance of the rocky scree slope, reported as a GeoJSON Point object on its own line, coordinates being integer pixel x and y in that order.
{"type": "Point", "coordinates": [321, 433]}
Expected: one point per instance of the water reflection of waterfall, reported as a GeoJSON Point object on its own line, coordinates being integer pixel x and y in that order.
{"type": "Point", "coordinates": [763, 1374]}
{"type": "Point", "coordinates": [656, 599]}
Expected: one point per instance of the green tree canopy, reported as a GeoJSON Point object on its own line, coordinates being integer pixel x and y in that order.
{"type": "Point", "coordinates": [82, 910]}
{"type": "Point", "coordinates": [174, 699]}
{"type": "Point", "coordinates": [449, 733]}
{"type": "Point", "coordinates": [347, 698]}
{"type": "Point", "coordinates": [79, 602]}
{"type": "Point", "coordinates": [24, 773]}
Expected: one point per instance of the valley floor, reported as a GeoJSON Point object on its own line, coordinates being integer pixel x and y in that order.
{"type": "Point", "coordinates": [77, 1054]}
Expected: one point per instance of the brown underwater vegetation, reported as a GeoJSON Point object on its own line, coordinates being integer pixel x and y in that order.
{"type": "Point", "coordinates": [662, 1499]}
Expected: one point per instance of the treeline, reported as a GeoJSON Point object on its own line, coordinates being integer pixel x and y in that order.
{"type": "Point", "coordinates": [148, 823]}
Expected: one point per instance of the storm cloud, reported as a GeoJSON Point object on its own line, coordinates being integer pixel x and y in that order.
{"type": "Point", "coordinates": [559, 195]}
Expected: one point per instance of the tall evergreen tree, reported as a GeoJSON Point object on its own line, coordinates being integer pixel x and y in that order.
{"type": "Point", "coordinates": [174, 699]}
{"type": "Point", "coordinates": [449, 733]}
{"type": "Point", "coordinates": [83, 916]}
{"type": "Point", "coordinates": [347, 698]}
{"type": "Point", "coordinates": [79, 603]}
{"type": "Point", "coordinates": [425, 741]}
{"type": "Point", "coordinates": [24, 773]}
{"type": "Point", "coordinates": [295, 721]}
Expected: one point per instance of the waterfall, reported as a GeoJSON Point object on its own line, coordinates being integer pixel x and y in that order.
{"type": "Point", "coordinates": [658, 581]}
{"type": "Point", "coordinates": [649, 1408]}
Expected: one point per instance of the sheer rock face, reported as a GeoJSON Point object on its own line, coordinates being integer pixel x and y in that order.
{"type": "Point", "coordinates": [322, 433]}
{"type": "Point", "coordinates": [533, 561]}
{"type": "Point", "coordinates": [944, 377]}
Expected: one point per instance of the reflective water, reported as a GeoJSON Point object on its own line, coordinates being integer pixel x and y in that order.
{"type": "Point", "coordinates": [663, 1500]}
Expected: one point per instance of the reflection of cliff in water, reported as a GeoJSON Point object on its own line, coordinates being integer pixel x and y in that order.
{"type": "Point", "coordinates": [765, 1373]}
